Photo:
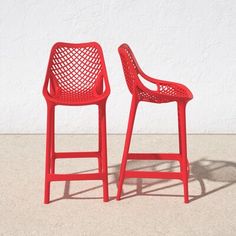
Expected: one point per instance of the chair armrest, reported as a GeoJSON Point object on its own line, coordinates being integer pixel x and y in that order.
{"type": "Point", "coordinates": [52, 93]}
{"type": "Point", "coordinates": [46, 93]}
{"type": "Point", "coordinates": [101, 81]}
{"type": "Point", "coordinates": [107, 86]}
{"type": "Point", "coordinates": [148, 78]}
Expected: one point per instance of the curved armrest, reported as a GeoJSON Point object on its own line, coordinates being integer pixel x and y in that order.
{"type": "Point", "coordinates": [101, 81]}
{"type": "Point", "coordinates": [54, 91]}
{"type": "Point", "coordinates": [107, 86]}
{"type": "Point", "coordinates": [46, 93]}
{"type": "Point", "coordinates": [148, 78]}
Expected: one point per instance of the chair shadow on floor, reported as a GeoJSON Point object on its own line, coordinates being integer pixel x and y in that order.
{"type": "Point", "coordinates": [222, 172]}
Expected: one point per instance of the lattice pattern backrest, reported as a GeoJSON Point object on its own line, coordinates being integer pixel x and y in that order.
{"type": "Point", "coordinates": [130, 66]}
{"type": "Point", "coordinates": [75, 69]}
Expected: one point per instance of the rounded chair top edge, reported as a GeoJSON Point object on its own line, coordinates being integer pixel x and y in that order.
{"type": "Point", "coordinates": [76, 45]}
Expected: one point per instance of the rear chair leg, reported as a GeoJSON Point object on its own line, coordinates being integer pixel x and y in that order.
{"type": "Point", "coordinates": [103, 146]}
{"type": "Point", "coordinates": [99, 142]}
{"type": "Point", "coordinates": [52, 140]}
{"type": "Point", "coordinates": [183, 148]}
{"type": "Point", "coordinates": [127, 145]}
{"type": "Point", "coordinates": [48, 154]}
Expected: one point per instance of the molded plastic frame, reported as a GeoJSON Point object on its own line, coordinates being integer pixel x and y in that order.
{"type": "Point", "coordinates": [99, 100]}
{"type": "Point", "coordinates": [181, 98]}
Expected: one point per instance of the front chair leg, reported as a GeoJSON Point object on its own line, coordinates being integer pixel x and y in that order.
{"type": "Point", "coordinates": [99, 140]}
{"type": "Point", "coordinates": [133, 109]}
{"type": "Point", "coordinates": [183, 148]}
{"type": "Point", "coordinates": [103, 146]}
{"type": "Point", "coordinates": [52, 149]}
{"type": "Point", "coordinates": [48, 154]}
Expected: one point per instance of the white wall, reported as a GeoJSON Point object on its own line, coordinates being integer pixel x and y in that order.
{"type": "Point", "coordinates": [192, 42]}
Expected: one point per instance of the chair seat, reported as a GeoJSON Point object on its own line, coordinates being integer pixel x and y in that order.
{"type": "Point", "coordinates": [166, 92]}
{"type": "Point", "coordinates": [77, 98]}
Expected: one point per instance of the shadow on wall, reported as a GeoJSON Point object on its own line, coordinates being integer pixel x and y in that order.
{"type": "Point", "coordinates": [202, 170]}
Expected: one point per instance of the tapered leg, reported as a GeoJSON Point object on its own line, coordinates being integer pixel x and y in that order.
{"type": "Point", "coordinates": [183, 148]}
{"type": "Point", "coordinates": [99, 140]}
{"type": "Point", "coordinates": [48, 153]}
{"type": "Point", "coordinates": [127, 145]}
{"type": "Point", "coordinates": [52, 148]}
{"type": "Point", "coordinates": [103, 138]}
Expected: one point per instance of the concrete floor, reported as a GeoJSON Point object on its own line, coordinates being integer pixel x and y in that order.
{"type": "Point", "coordinates": [149, 206]}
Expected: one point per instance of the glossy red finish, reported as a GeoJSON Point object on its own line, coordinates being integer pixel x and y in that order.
{"type": "Point", "coordinates": [76, 76]}
{"type": "Point", "coordinates": [165, 92]}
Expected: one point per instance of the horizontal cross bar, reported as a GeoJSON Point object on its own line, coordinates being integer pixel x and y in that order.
{"type": "Point", "coordinates": [152, 174]}
{"type": "Point", "coordinates": [154, 156]}
{"type": "Point", "coordinates": [76, 155]}
{"type": "Point", "coordinates": [64, 177]}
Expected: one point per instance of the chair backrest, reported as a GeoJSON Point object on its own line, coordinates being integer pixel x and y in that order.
{"type": "Point", "coordinates": [130, 66]}
{"type": "Point", "coordinates": [75, 68]}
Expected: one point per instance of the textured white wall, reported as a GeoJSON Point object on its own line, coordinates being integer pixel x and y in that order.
{"type": "Point", "coordinates": [191, 42]}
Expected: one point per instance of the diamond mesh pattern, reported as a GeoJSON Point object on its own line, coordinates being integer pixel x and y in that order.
{"type": "Point", "coordinates": [166, 91]}
{"type": "Point", "coordinates": [74, 72]}
{"type": "Point", "coordinates": [130, 68]}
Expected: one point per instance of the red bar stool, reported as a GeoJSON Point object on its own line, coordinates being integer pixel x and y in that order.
{"type": "Point", "coordinates": [165, 92]}
{"type": "Point", "coordinates": [76, 76]}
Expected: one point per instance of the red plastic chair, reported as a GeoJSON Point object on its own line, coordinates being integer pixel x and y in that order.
{"type": "Point", "coordinates": [76, 76]}
{"type": "Point", "coordinates": [165, 92]}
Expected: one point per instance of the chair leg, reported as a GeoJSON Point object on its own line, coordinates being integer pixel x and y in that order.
{"type": "Point", "coordinates": [48, 153]}
{"type": "Point", "coordinates": [103, 143]}
{"type": "Point", "coordinates": [183, 148]}
{"type": "Point", "coordinates": [99, 141]}
{"type": "Point", "coordinates": [127, 145]}
{"type": "Point", "coordinates": [52, 149]}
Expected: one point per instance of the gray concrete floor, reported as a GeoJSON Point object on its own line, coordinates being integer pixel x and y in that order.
{"type": "Point", "coordinates": [149, 206]}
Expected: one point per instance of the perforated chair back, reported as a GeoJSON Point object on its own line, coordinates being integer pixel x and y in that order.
{"type": "Point", "coordinates": [130, 66]}
{"type": "Point", "coordinates": [75, 69]}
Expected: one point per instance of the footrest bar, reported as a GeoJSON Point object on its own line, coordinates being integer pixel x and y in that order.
{"type": "Point", "coordinates": [154, 156]}
{"type": "Point", "coordinates": [76, 155]}
{"type": "Point", "coordinates": [151, 174]}
{"type": "Point", "coordinates": [64, 177]}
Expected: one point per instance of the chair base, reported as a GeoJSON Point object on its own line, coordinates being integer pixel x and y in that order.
{"type": "Point", "coordinates": [155, 174]}
{"type": "Point", "coordinates": [51, 155]}
{"type": "Point", "coordinates": [181, 156]}
{"type": "Point", "coordinates": [73, 177]}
